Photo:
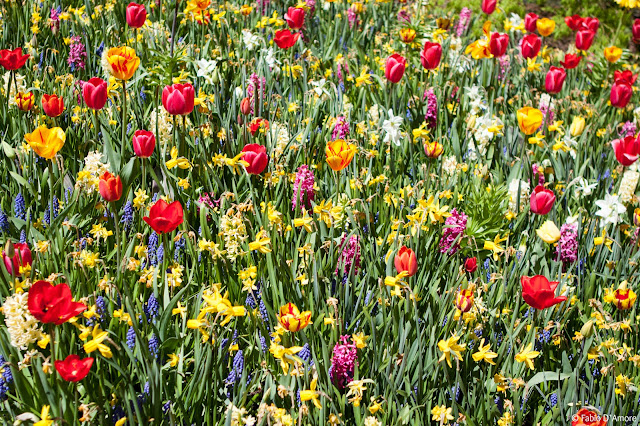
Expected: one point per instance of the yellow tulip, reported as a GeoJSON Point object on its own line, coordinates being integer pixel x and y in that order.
{"type": "Point", "coordinates": [46, 142]}
{"type": "Point", "coordinates": [545, 26]}
{"type": "Point", "coordinates": [124, 62]}
{"type": "Point", "coordinates": [529, 120]}
{"type": "Point", "coordinates": [577, 126]}
{"type": "Point", "coordinates": [548, 232]}
{"type": "Point", "coordinates": [339, 154]}
{"type": "Point", "coordinates": [612, 54]}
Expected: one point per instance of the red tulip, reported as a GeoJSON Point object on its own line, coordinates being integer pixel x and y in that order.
{"type": "Point", "coordinates": [136, 15]}
{"type": "Point", "coordinates": [406, 261]}
{"type": "Point", "coordinates": [164, 217]}
{"type": "Point", "coordinates": [498, 44]}
{"type": "Point", "coordinates": [541, 200]}
{"type": "Point", "coordinates": [294, 17]}
{"type": "Point", "coordinates": [73, 368]}
{"type": "Point", "coordinates": [12, 59]}
{"type": "Point", "coordinates": [621, 92]}
{"type": "Point", "coordinates": [626, 76]}
{"type": "Point", "coordinates": [178, 99]}
{"type": "Point", "coordinates": [110, 187]}
{"type": "Point", "coordinates": [554, 80]}
{"type": "Point", "coordinates": [489, 6]}
{"type": "Point", "coordinates": [144, 142]}
{"type": "Point", "coordinates": [539, 292]}
{"type": "Point", "coordinates": [21, 258]}
{"type": "Point", "coordinates": [530, 46]}
{"type": "Point", "coordinates": [471, 264]}
{"type": "Point", "coordinates": [394, 67]}
{"type": "Point", "coordinates": [571, 61]}
{"type": "Point", "coordinates": [574, 22]}
{"type": "Point", "coordinates": [285, 39]}
{"type": "Point", "coordinates": [591, 23]}
{"type": "Point", "coordinates": [635, 30]}
{"type": "Point", "coordinates": [52, 304]}
{"type": "Point", "coordinates": [94, 93]}
{"type": "Point", "coordinates": [256, 156]}
{"type": "Point", "coordinates": [627, 150]}
{"type": "Point", "coordinates": [584, 39]}
{"type": "Point", "coordinates": [531, 22]}
{"type": "Point", "coordinates": [52, 105]}
{"type": "Point", "coordinates": [430, 55]}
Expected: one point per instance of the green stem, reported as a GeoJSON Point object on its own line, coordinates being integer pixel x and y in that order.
{"type": "Point", "coordinates": [124, 118]}
{"type": "Point", "coordinates": [118, 248]}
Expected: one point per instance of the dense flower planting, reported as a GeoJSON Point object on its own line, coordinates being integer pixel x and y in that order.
{"type": "Point", "coordinates": [326, 212]}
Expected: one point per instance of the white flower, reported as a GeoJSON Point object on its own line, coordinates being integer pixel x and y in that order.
{"type": "Point", "coordinates": [582, 186]}
{"type": "Point", "coordinates": [250, 40]}
{"type": "Point", "coordinates": [206, 69]}
{"type": "Point", "coordinates": [319, 88]}
{"type": "Point", "coordinates": [270, 59]}
{"type": "Point", "coordinates": [392, 127]}
{"type": "Point", "coordinates": [610, 210]}
{"type": "Point", "coordinates": [513, 194]}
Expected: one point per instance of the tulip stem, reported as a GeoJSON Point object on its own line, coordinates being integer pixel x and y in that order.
{"type": "Point", "coordinates": [118, 248]}
{"type": "Point", "coordinates": [96, 124]}
{"type": "Point", "coordinates": [144, 176]}
{"type": "Point", "coordinates": [8, 91]}
{"type": "Point", "coordinates": [124, 117]}
{"type": "Point", "coordinates": [51, 191]}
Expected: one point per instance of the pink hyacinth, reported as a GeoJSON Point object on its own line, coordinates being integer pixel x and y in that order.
{"type": "Point", "coordinates": [256, 84]}
{"type": "Point", "coordinates": [303, 188]}
{"type": "Point", "coordinates": [628, 129]}
{"type": "Point", "coordinates": [341, 129]}
{"type": "Point", "coordinates": [505, 64]}
{"type": "Point", "coordinates": [350, 255]}
{"type": "Point", "coordinates": [454, 228]}
{"type": "Point", "coordinates": [463, 21]}
{"type": "Point", "coordinates": [431, 117]}
{"type": "Point", "coordinates": [76, 53]}
{"type": "Point", "coordinates": [567, 249]}
{"type": "Point", "coordinates": [343, 362]}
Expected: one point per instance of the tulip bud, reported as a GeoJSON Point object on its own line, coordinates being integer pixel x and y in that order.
{"type": "Point", "coordinates": [9, 249]}
{"type": "Point", "coordinates": [471, 264]}
{"type": "Point", "coordinates": [245, 106]}
{"type": "Point", "coordinates": [577, 126]}
{"type": "Point", "coordinates": [587, 329]}
{"type": "Point", "coordinates": [464, 300]}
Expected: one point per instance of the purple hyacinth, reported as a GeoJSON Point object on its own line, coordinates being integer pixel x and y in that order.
{"type": "Point", "coordinates": [350, 256]}
{"type": "Point", "coordinates": [343, 362]}
{"type": "Point", "coordinates": [455, 226]}
{"type": "Point", "coordinates": [303, 188]}
{"type": "Point", "coordinates": [567, 249]}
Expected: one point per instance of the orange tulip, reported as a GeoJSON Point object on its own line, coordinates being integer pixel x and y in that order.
{"type": "Point", "coordinates": [292, 319]}
{"type": "Point", "coordinates": [339, 154]}
{"type": "Point", "coordinates": [110, 187]}
{"type": "Point", "coordinates": [405, 261]}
